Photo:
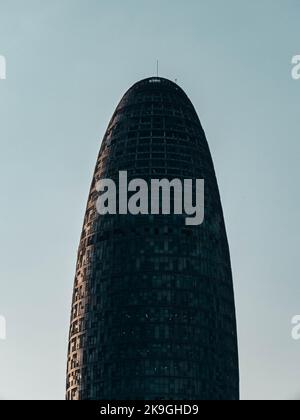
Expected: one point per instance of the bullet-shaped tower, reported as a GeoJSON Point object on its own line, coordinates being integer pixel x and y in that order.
{"type": "Point", "coordinates": [153, 312]}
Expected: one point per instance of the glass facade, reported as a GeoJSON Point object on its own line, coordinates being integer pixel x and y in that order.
{"type": "Point", "coordinates": [153, 313]}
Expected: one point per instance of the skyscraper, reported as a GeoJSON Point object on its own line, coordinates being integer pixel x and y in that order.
{"type": "Point", "coordinates": [153, 313]}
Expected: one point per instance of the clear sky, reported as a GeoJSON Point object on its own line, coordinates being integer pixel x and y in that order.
{"type": "Point", "coordinates": [68, 64]}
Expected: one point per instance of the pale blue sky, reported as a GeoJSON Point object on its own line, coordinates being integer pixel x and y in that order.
{"type": "Point", "coordinates": [68, 64]}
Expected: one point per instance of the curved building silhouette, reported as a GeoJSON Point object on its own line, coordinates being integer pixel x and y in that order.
{"type": "Point", "coordinates": [153, 313]}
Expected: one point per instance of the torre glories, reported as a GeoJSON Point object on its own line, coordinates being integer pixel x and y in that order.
{"type": "Point", "coordinates": [153, 312]}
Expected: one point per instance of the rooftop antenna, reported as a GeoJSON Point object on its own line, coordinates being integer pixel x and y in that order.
{"type": "Point", "coordinates": [157, 67]}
